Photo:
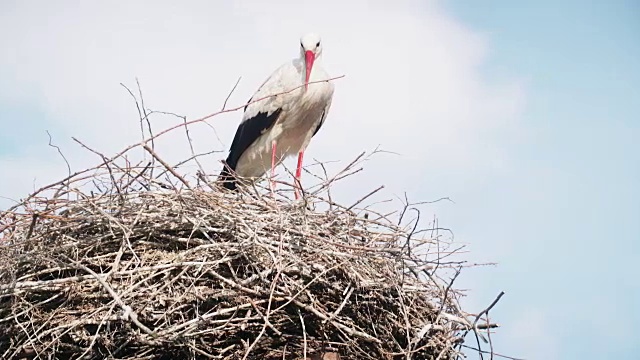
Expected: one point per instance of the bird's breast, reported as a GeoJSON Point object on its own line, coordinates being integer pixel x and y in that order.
{"type": "Point", "coordinates": [307, 111]}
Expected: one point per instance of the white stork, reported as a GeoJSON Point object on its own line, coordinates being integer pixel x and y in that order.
{"type": "Point", "coordinates": [280, 126]}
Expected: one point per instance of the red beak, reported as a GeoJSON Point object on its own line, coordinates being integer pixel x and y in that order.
{"type": "Point", "coordinates": [309, 57]}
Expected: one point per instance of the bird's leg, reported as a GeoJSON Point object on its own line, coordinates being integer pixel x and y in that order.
{"type": "Point", "coordinates": [273, 168]}
{"type": "Point", "coordinates": [298, 184]}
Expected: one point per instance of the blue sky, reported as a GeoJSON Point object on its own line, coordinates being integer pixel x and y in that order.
{"type": "Point", "coordinates": [523, 114]}
{"type": "Point", "coordinates": [576, 230]}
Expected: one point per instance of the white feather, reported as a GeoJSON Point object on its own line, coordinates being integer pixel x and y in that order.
{"type": "Point", "coordinates": [302, 111]}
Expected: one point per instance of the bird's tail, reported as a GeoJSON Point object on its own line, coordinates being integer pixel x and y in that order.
{"type": "Point", "coordinates": [227, 177]}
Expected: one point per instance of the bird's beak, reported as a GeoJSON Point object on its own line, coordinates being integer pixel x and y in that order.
{"type": "Point", "coordinates": [309, 58]}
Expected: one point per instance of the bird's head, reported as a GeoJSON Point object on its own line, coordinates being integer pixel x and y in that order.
{"type": "Point", "coordinates": [310, 50]}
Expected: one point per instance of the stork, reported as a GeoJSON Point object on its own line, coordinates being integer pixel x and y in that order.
{"type": "Point", "coordinates": [288, 111]}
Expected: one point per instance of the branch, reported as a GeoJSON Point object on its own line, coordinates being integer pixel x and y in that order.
{"type": "Point", "coordinates": [173, 172]}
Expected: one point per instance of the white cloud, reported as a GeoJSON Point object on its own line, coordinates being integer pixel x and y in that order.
{"type": "Point", "coordinates": [413, 83]}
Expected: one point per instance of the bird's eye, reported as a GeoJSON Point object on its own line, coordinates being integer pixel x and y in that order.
{"type": "Point", "coordinates": [318, 44]}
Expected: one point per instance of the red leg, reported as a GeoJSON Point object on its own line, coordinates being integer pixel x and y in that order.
{"type": "Point", "coordinates": [273, 166]}
{"type": "Point", "coordinates": [299, 174]}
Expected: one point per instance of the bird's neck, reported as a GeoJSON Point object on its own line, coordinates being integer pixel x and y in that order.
{"type": "Point", "coordinates": [316, 70]}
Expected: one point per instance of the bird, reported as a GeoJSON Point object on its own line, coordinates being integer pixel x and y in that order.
{"type": "Point", "coordinates": [281, 117]}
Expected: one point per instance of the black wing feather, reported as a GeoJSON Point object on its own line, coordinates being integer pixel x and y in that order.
{"type": "Point", "coordinates": [248, 132]}
{"type": "Point", "coordinates": [320, 123]}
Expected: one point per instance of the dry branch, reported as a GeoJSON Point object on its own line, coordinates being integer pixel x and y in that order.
{"type": "Point", "coordinates": [133, 267]}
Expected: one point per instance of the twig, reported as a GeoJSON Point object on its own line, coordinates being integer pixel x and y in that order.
{"type": "Point", "coordinates": [365, 197]}
{"type": "Point", "coordinates": [59, 152]}
{"type": "Point", "coordinates": [224, 105]}
{"type": "Point", "coordinates": [486, 311]}
{"type": "Point", "coordinates": [128, 313]}
{"type": "Point", "coordinates": [486, 352]}
{"type": "Point", "coordinates": [32, 226]}
{"type": "Point", "coordinates": [173, 172]}
{"type": "Point", "coordinates": [304, 335]}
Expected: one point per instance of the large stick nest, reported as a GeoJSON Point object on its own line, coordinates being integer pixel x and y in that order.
{"type": "Point", "coordinates": [132, 266]}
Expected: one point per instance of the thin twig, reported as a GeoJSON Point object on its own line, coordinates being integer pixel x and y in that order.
{"type": "Point", "coordinates": [173, 172]}
{"type": "Point", "coordinates": [224, 105]}
{"type": "Point", "coordinates": [59, 152]}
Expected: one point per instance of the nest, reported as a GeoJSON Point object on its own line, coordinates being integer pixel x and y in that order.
{"type": "Point", "coordinates": [113, 262]}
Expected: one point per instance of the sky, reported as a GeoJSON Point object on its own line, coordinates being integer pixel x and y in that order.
{"type": "Point", "coordinates": [525, 115]}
